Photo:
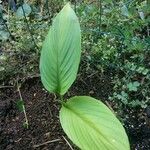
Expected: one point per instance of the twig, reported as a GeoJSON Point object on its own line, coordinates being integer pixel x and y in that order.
{"type": "Point", "coordinates": [110, 107]}
{"type": "Point", "coordinates": [92, 74]}
{"type": "Point", "coordinates": [68, 143]}
{"type": "Point", "coordinates": [83, 81]}
{"type": "Point", "coordinates": [55, 97]}
{"type": "Point", "coordinates": [49, 110]}
{"type": "Point", "coordinates": [7, 86]}
{"type": "Point", "coordinates": [52, 141]}
{"type": "Point", "coordinates": [148, 31]}
{"type": "Point", "coordinates": [100, 15]}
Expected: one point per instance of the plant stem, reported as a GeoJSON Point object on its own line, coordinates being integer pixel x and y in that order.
{"type": "Point", "coordinates": [24, 111]}
{"type": "Point", "coordinates": [61, 98]}
{"type": "Point", "coordinates": [100, 15]}
{"type": "Point", "coordinates": [47, 5]}
{"type": "Point", "coordinates": [62, 102]}
{"type": "Point", "coordinates": [75, 6]}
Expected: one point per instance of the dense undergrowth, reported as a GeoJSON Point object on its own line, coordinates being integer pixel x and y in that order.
{"type": "Point", "coordinates": [115, 37]}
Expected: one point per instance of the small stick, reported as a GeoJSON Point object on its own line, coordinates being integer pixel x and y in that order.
{"type": "Point", "coordinates": [83, 81]}
{"type": "Point", "coordinates": [55, 97]}
{"type": "Point", "coordinates": [110, 107]}
{"type": "Point", "coordinates": [50, 111]}
{"type": "Point", "coordinates": [148, 31]}
{"type": "Point", "coordinates": [52, 141]}
{"type": "Point", "coordinates": [7, 86]}
{"type": "Point", "coordinates": [93, 74]}
{"type": "Point", "coordinates": [68, 143]}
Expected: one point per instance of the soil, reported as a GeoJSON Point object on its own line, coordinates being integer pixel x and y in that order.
{"type": "Point", "coordinates": [44, 132]}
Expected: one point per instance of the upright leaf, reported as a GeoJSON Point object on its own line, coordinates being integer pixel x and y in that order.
{"type": "Point", "coordinates": [61, 52]}
{"type": "Point", "coordinates": [92, 126]}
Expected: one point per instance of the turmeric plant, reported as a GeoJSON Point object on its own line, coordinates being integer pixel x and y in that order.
{"type": "Point", "coordinates": [88, 122]}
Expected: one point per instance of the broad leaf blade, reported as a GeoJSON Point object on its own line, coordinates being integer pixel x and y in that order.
{"type": "Point", "coordinates": [61, 52]}
{"type": "Point", "coordinates": [92, 126]}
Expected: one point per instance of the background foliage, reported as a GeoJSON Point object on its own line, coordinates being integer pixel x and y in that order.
{"type": "Point", "coordinates": [115, 39]}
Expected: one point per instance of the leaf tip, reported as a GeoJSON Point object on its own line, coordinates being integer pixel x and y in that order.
{"type": "Point", "coordinates": [67, 7]}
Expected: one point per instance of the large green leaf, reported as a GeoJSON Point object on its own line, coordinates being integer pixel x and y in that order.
{"type": "Point", "coordinates": [61, 52]}
{"type": "Point", "coordinates": [91, 125]}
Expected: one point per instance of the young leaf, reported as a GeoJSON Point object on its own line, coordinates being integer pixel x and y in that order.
{"type": "Point", "coordinates": [133, 86]}
{"type": "Point", "coordinates": [61, 52]}
{"type": "Point", "coordinates": [20, 105]}
{"type": "Point", "coordinates": [91, 125]}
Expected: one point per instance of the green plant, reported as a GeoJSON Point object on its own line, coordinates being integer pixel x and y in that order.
{"type": "Point", "coordinates": [122, 48]}
{"type": "Point", "coordinates": [86, 121]}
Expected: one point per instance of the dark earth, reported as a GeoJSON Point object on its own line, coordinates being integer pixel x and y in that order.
{"type": "Point", "coordinates": [42, 108]}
